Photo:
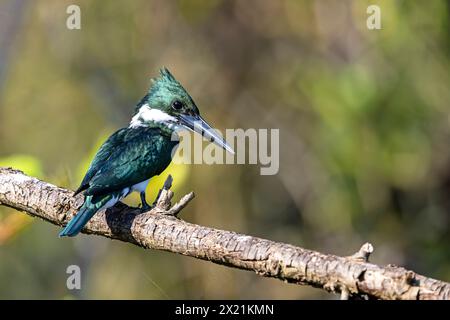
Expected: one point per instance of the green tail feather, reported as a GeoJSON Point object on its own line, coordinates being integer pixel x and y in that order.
{"type": "Point", "coordinates": [87, 211]}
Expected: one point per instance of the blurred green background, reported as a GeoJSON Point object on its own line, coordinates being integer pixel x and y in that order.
{"type": "Point", "coordinates": [364, 123]}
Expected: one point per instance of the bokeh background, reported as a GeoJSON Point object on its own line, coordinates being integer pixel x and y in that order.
{"type": "Point", "coordinates": [364, 123]}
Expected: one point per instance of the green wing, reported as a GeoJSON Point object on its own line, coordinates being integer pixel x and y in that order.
{"type": "Point", "coordinates": [131, 156]}
{"type": "Point", "coordinates": [102, 155]}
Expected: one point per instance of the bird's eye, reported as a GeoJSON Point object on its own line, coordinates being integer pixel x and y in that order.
{"type": "Point", "coordinates": [177, 105]}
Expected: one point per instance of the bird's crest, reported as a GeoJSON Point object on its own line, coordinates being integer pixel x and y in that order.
{"type": "Point", "coordinates": [165, 79]}
{"type": "Point", "coordinates": [162, 89]}
{"type": "Point", "coordinates": [165, 73]}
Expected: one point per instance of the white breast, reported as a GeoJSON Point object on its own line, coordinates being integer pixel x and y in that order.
{"type": "Point", "coordinates": [141, 186]}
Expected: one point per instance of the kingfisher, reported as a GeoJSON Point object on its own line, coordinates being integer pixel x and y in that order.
{"type": "Point", "coordinates": [131, 156]}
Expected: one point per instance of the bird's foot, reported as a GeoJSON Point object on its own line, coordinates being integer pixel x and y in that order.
{"type": "Point", "coordinates": [145, 206]}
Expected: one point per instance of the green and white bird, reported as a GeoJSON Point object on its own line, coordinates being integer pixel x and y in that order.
{"type": "Point", "coordinates": [133, 155]}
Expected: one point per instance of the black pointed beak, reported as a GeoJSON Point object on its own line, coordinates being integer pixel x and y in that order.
{"type": "Point", "coordinates": [197, 124]}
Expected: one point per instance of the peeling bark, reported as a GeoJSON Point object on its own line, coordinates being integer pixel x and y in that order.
{"type": "Point", "coordinates": [159, 228]}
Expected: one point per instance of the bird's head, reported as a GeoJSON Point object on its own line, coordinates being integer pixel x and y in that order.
{"type": "Point", "coordinates": [168, 103]}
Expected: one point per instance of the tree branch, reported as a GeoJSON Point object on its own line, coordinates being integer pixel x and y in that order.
{"type": "Point", "coordinates": [353, 276]}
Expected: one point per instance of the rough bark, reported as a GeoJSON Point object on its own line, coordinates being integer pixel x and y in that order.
{"type": "Point", "coordinates": [159, 228]}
